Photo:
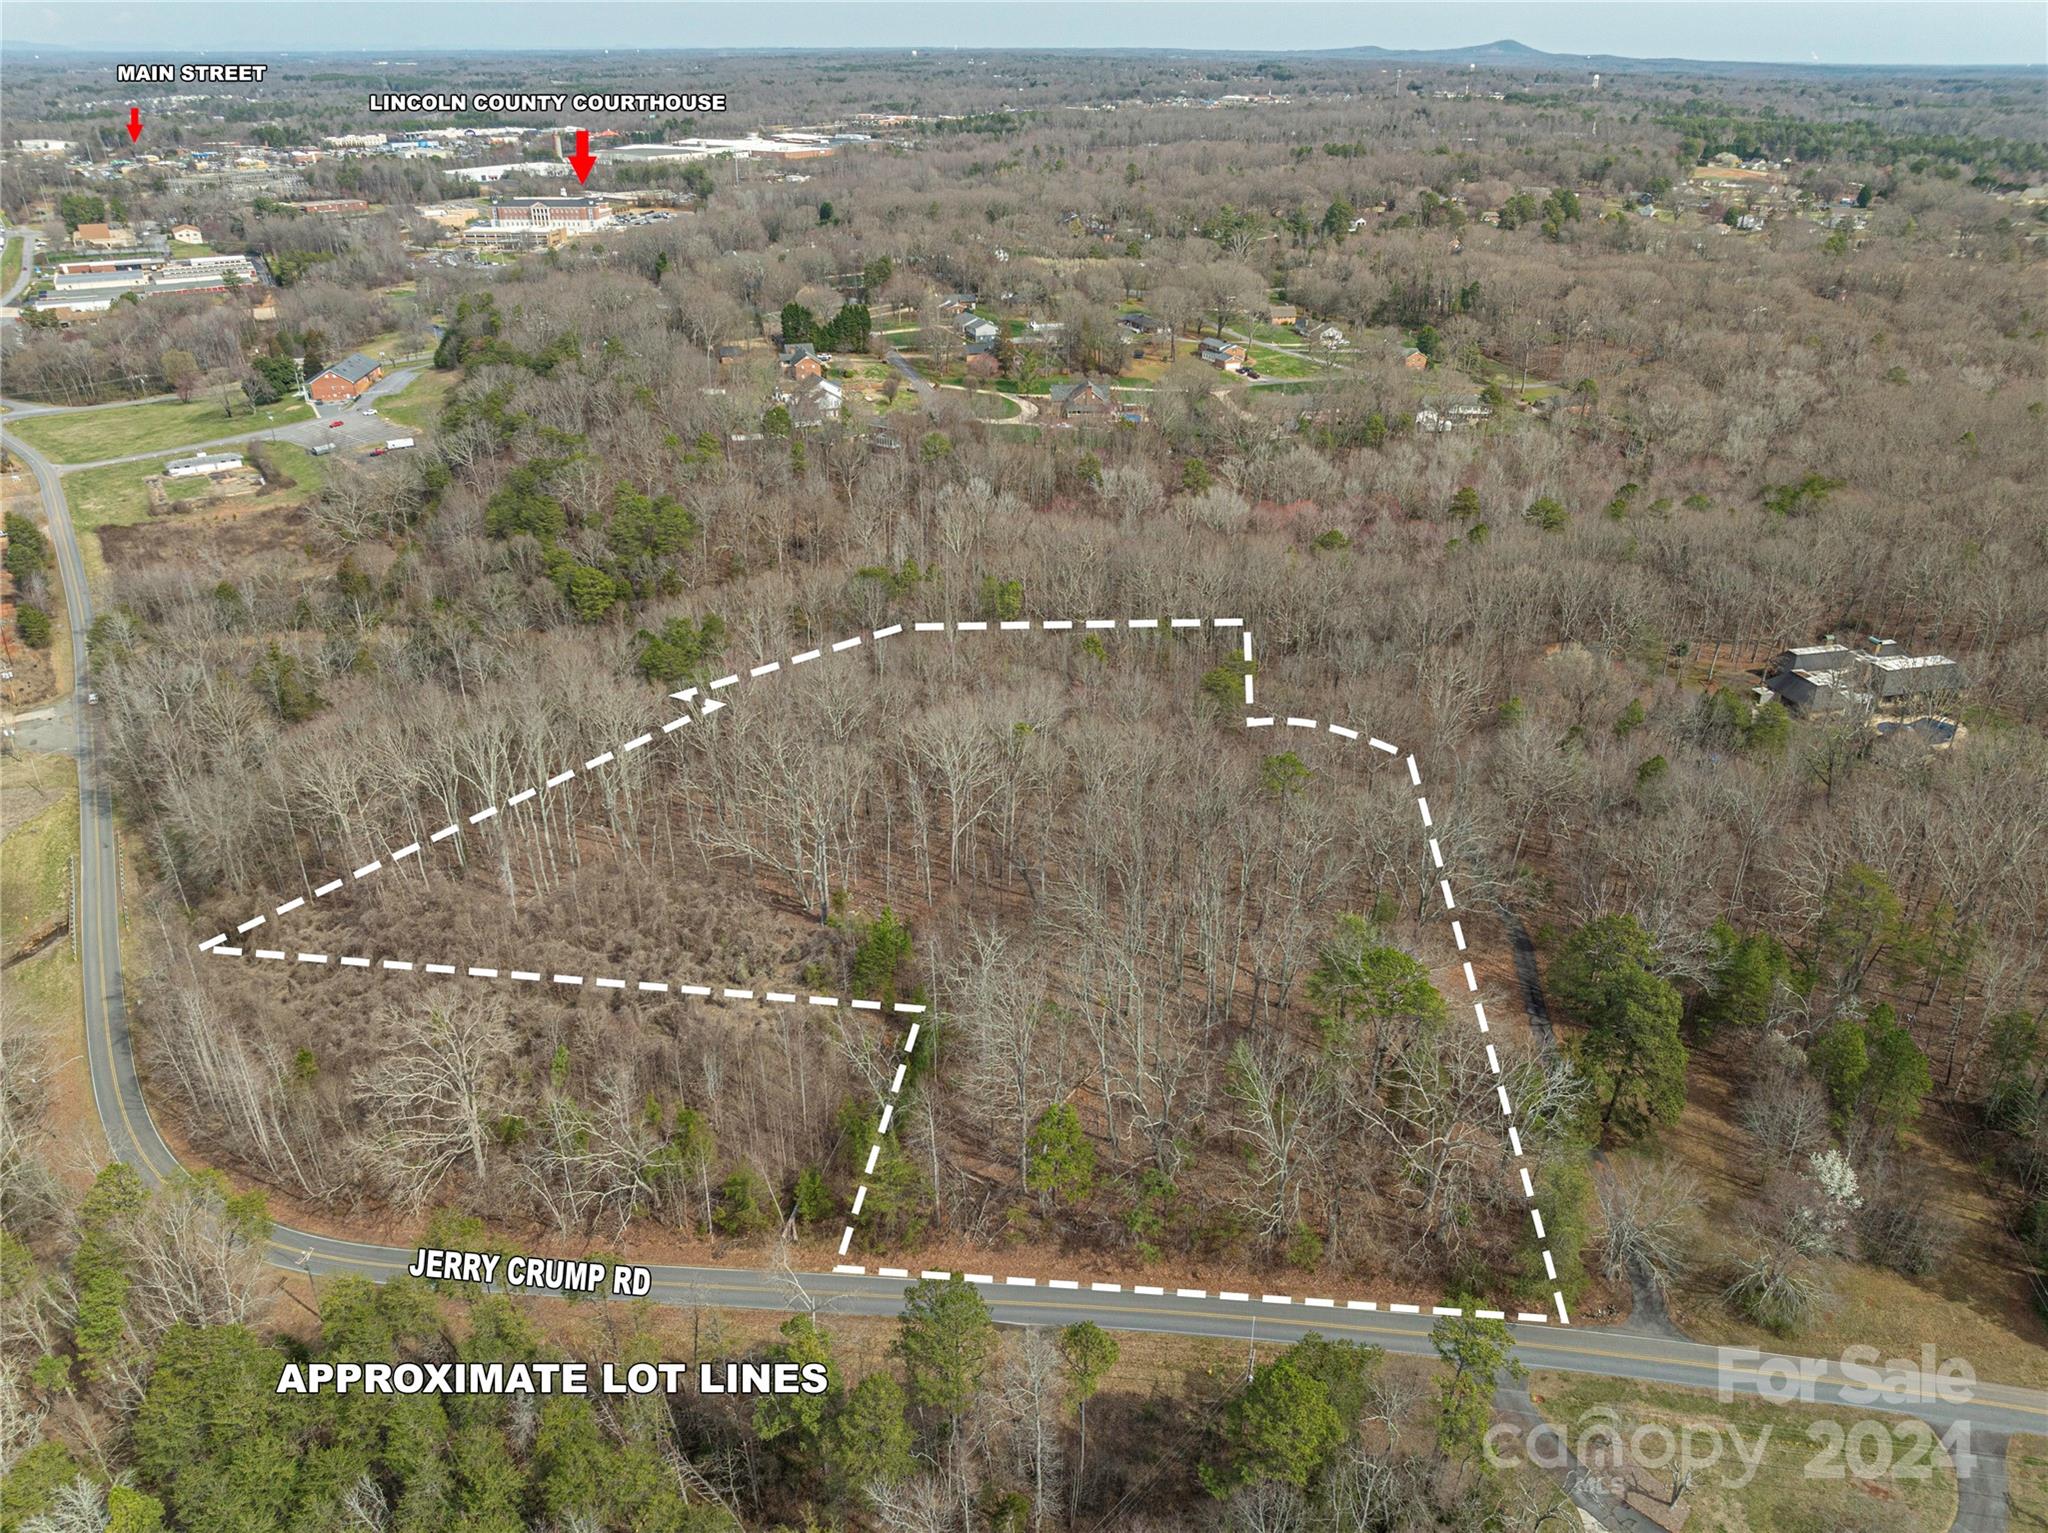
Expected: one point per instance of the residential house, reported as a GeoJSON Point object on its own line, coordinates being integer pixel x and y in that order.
{"type": "Point", "coordinates": [815, 402]}
{"type": "Point", "coordinates": [1141, 323]}
{"type": "Point", "coordinates": [1282, 314]}
{"type": "Point", "coordinates": [1087, 399]}
{"type": "Point", "coordinates": [1827, 678]}
{"type": "Point", "coordinates": [975, 328]}
{"type": "Point", "coordinates": [188, 234]}
{"type": "Point", "coordinates": [729, 356]}
{"type": "Point", "coordinates": [347, 379]}
{"type": "Point", "coordinates": [1899, 679]}
{"type": "Point", "coordinates": [1414, 360]}
{"type": "Point", "coordinates": [982, 365]}
{"type": "Point", "coordinates": [801, 362]}
{"type": "Point", "coordinates": [1312, 330]}
{"type": "Point", "coordinates": [1432, 421]}
{"type": "Point", "coordinates": [1220, 352]}
{"type": "Point", "coordinates": [956, 303]}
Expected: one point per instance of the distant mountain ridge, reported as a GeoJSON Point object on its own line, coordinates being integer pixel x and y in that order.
{"type": "Point", "coordinates": [1508, 53]}
{"type": "Point", "coordinates": [1505, 51]}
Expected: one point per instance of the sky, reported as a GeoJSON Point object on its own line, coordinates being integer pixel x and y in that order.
{"type": "Point", "coordinates": [1933, 32]}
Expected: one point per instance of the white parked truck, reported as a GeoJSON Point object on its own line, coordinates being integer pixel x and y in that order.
{"type": "Point", "coordinates": [397, 442]}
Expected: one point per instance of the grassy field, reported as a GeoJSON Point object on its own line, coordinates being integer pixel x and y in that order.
{"type": "Point", "coordinates": [87, 436]}
{"type": "Point", "coordinates": [1810, 1475]}
{"type": "Point", "coordinates": [1510, 379]}
{"type": "Point", "coordinates": [993, 407]}
{"type": "Point", "coordinates": [114, 496]}
{"type": "Point", "coordinates": [182, 248]}
{"type": "Point", "coordinates": [308, 473]}
{"type": "Point", "coordinates": [10, 264]}
{"type": "Point", "coordinates": [40, 799]}
{"type": "Point", "coordinates": [1272, 363]}
{"type": "Point", "coordinates": [1259, 330]}
{"type": "Point", "coordinates": [390, 345]}
{"type": "Point", "coordinates": [419, 403]}
{"type": "Point", "coordinates": [2026, 1484]}
{"type": "Point", "coordinates": [39, 996]}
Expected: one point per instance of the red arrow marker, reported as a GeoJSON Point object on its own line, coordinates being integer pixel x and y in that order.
{"type": "Point", "coordinates": [134, 123]}
{"type": "Point", "coordinates": [583, 161]}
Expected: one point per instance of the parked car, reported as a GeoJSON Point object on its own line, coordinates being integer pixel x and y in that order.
{"type": "Point", "coordinates": [334, 425]}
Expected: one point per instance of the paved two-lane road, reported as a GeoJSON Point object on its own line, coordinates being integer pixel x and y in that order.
{"type": "Point", "coordinates": [132, 1136]}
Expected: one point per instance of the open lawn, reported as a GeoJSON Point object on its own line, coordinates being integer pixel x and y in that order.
{"type": "Point", "coordinates": [10, 264]}
{"type": "Point", "coordinates": [993, 407]}
{"type": "Point", "coordinates": [392, 346]}
{"type": "Point", "coordinates": [39, 800]}
{"type": "Point", "coordinates": [419, 403]}
{"type": "Point", "coordinates": [86, 436]}
{"type": "Point", "coordinates": [1259, 330]}
{"type": "Point", "coordinates": [39, 995]}
{"type": "Point", "coordinates": [1510, 379]}
{"type": "Point", "coordinates": [1273, 363]}
{"type": "Point", "coordinates": [114, 496]}
{"type": "Point", "coordinates": [1816, 1469]}
{"type": "Point", "coordinates": [182, 248]}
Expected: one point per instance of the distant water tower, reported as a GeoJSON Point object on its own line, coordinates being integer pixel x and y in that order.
{"type": "Point", "coordinates": [1596, 79]}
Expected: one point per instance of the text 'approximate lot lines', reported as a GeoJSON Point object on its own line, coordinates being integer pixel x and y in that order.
{"type": "Point", "coordinates": [219, 944]}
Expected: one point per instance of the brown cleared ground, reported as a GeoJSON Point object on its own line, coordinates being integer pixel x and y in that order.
{"type": "Point", "coordinates": [1976, 1307]}
{"type": "Point", "coordinates": [235, 534]}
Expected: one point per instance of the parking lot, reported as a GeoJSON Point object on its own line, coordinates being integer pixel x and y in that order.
{"type": "Point", "coordinates": [358, 433]}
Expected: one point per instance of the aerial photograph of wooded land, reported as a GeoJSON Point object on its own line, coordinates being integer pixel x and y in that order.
{"type": "Point", "coordinates": [1263, 768]}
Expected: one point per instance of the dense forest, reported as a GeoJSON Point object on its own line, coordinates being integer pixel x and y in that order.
{"type": "Point", "coordinates": [1190, 1000]}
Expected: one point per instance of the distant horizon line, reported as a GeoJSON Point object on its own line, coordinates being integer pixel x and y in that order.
{"type": "Point", "coordinates": [1535, 57]}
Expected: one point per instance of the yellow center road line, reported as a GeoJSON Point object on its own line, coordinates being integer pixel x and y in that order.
{"type": "Point", "coordinates": [101, 960]}
{"type": "Point", "coordinates": [1558, 1344]}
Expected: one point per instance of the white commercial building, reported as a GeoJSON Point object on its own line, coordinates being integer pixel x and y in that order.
{"type": "Point", "coordinates": [484, 173]}
{"type": "Point", "coordinates": [202, 463]}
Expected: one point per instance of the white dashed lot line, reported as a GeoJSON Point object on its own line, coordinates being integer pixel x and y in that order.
{"type": "Point", "coordinates": [217, 945]}
{"type": "Point", "coordinates": [766, 668]}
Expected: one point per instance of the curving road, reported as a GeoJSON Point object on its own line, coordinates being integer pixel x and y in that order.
{"type": "Point", "coordinates": [1988, 1414]}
